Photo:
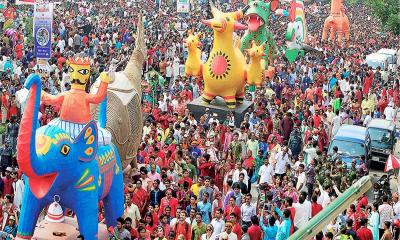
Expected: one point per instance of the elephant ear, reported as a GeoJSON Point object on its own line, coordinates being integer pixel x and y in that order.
{"type": "Point", "coordinates": [86, 142]}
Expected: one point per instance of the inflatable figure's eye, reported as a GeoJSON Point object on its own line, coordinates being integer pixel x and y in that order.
{"type": "Point", "coordinates": [83, 71]}
{"type": "Point", "coordinates": [228, 19]}
{"type": "Point", "coordinates": [70, 69]}
{"type": "Point", "coordinates": [65, 149]}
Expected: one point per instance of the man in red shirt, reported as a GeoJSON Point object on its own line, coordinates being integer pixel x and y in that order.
{"type": "Point", "coordinates": [364, 233]}
{"type": "Point", "coordinates": [8, 181]}
{"type": "Point", "coordinates": [315, 207]}
{"type": "Point", "coordinates": [182, 227]}
{"type": "Point", "coordinates": [168, 200]}
{"type": "Point", "coordinates": [254, 231]}
{"type": "Point", "coordinates": [185, 178]}
{"type": "Point", "coordinates": [236, 227]}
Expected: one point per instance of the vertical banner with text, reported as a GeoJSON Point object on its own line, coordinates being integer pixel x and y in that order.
{"type": "Point", "coordinates": [42, 29]}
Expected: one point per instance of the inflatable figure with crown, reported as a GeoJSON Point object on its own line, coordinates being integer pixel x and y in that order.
{"type": "Point", "coordinates": [72, 157]}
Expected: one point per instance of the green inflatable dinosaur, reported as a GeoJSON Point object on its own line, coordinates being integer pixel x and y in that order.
{"type": "Point", "coordinates": [257, 17]}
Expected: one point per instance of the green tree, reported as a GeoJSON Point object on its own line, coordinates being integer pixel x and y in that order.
{"type": "Point", "coordinates": [388, 11]}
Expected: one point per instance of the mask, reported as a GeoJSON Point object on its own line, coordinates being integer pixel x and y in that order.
{"type": "Point", "coordinates": [79, 72]}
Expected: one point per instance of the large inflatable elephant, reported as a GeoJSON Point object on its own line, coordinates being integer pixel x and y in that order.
{"type": "Point", "coordinates": [124, 114]}
{"type": "Point", "coordinates": [79, 171]}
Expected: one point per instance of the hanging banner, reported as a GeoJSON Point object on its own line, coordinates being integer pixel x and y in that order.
{"type": "Point", "coordinates": [182, 6]}
{"type": "Point", "coordinates": [42, 29]}
{"type": "Point", "coordinates": [25, 2]}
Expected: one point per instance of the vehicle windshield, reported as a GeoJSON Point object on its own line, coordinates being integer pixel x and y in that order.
{"type": "Point", "coordinates": [350, 149]}
{"type": "Point", "coordinates": [379, 137]}
{"type": "Point", "coordinates": [373, 63]}
{"type": "Point", "coordinates": [391, 58]}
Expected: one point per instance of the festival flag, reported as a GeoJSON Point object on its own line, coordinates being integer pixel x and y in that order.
{"type": "Point", "coordinates": [392, 163]}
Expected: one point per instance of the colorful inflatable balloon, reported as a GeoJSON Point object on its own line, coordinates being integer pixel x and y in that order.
{"type": "Point", "coordinates": [296, 33]}
{"type": "Point", "coordinates": [193, 61]}
{"type": "Point", "coordinates": [77, 169]}
{"type": "Point", "coordinates": [255, 70]}
{"type": "Point", "coordinates": [257, 17]}
{"type": "Point", "coordinates": [336, 22]}
{"type": "Point", "coordinates": [224, 71]}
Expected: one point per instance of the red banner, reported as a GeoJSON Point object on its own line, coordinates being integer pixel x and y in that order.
{"type": "Point", "coordinates": [27, 2]}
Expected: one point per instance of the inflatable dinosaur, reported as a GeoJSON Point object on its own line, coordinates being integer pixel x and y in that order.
{"type": "Point", "coordinates": [255, 70]}
{"type": "Point", "coordinates": [193, 61]}
{"type": "Point", "coordinates": [257, 17]}
{"type": "Point", "coordinates": [124, 94]}
{"type": "Point", "coordinates": [296, 33]}
{"type": "Point", "coordinates": [224, 71]}
{"type": "Point", "coordinates": [336, 22]}
{"type": "Point", "coordinates": [79, 170]}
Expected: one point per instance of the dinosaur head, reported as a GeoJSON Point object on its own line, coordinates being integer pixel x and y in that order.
{"type": "Point", "coordinates": [256, 51]}
{"type": "Point", "coordinates": [257, 14]}
{"type": "Point", "coordinates": [193, 40]}
{"type": "Point", "coordinates": [225, 22]}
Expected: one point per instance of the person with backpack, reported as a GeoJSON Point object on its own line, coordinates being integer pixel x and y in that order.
{"type": "Point", "coordinates": [182, 227]}
{"type": "Point", "coordinates": [295, 141]}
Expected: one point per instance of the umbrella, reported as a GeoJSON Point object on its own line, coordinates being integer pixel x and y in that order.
{"type": "Point", "coordinates": [392, 163]}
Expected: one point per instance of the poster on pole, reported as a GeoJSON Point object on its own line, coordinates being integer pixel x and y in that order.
{"type": "Point", "coordinates": [25, 2]}
{"type": "Point", "coordinates": [182, 6]}
{"type": "Point", "coordinates": [42, 29]}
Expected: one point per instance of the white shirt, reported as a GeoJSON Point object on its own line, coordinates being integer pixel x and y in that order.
{"type": "Point", "coordinates": [133, 212]}
{"type": "Point", "coordinates": [324, 198]}
{"type": "Point", "coordinates": [396, 209]}
{"type": "Point", "coordinates": [231, 236]}
{"type": "Point", "coordinates": [70, 42]}
{"type": "Point", "coordinates": [247, 211]}
{"type": "Point", "coordinates": [235, 176]}
{"type": "Point", "coordinates": [367, 119]}
{"type": "Point", "coordinates": [303, 214]}
{"type": "Point", "coordinates": [389, 113]}
{"type": "Point", "coordinates": [266, 173]}
{"type": "Point", "coordinates": [281, 161]}
{"type": "Point", "coordinates": [301, 179]}
{"type": "Point", "coordinates": [218, 225]}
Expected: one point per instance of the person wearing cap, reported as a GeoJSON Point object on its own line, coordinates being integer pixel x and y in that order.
{"type": "Point", "coordinates": [10, 229]}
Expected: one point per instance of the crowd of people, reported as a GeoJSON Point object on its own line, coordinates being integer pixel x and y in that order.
{"type": "Point", "coordinates": [207, 178]}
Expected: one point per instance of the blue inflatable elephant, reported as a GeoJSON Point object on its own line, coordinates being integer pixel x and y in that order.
{"type": "Point", "coordinates": [79, 170]}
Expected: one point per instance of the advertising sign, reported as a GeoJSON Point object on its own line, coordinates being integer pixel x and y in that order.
{"type": "Point", "coordinates": [42, 29]}
{"type": "Point", "coordinates": [182, 6]}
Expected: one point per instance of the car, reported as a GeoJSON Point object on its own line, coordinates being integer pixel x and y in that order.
{"type": "Point", "coordinates": [352, 142]}
{"type": "Point", "coordinates": [383, 138]}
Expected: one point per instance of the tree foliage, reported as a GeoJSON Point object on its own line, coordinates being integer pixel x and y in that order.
{"type": "Point", "coordinates": [388, 11]}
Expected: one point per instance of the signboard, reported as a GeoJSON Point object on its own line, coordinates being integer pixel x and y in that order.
{"type": "Point", "coordinates": [42, 29]}
{"type": "Point", "coordinates": [182, 6]}
{"type": "Point", "coordinates": [25, 2]}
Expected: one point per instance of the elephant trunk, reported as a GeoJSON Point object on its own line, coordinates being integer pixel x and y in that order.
{"type": "Point", "coordinates": [28, 161]}
{"type": "Point", "coordinates": [133, 69]}
{"type": "Point", "coordinates": [26, 136]}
